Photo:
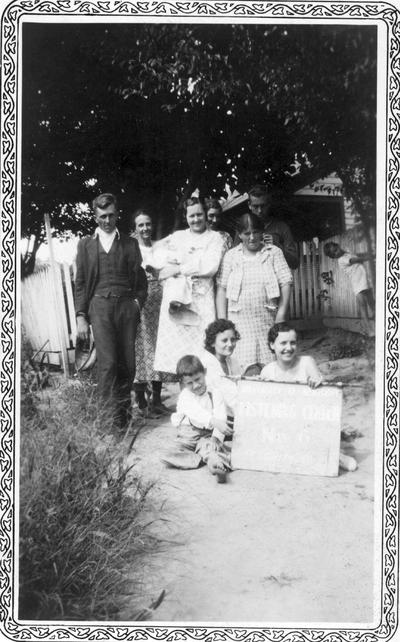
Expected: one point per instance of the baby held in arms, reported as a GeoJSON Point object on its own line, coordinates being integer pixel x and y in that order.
{"type": "Point", "coordinates": [292, 368]}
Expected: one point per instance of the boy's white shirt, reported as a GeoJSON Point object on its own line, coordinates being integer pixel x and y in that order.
{"type": "Point", "coordinates": [199, 410]}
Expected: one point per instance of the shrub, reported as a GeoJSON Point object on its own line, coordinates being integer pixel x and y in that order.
{"type": "Point", "coordinates": [80, 512]}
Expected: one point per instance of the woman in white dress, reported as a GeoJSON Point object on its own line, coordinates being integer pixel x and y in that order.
{"type": "Point", "coordinates": [191, 259]}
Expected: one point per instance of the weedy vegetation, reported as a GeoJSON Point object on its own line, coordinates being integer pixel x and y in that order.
{"type": "Point", "coordinates": [82, 531]}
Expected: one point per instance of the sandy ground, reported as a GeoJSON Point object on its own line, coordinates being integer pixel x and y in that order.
{"type": "Point", "coordinates": [268, 548]}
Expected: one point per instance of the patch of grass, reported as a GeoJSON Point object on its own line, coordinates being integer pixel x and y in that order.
{"type": "Point", "coordinates": [81, 530]}
{"type": "Point", "coordinates": [34, 379]}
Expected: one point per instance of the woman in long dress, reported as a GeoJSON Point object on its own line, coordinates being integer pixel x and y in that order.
{"type": "Point", "coordinates": [191, 260]}
{"type": "Point", "coordinates": [253, 290]}
{"type": "Point", "coordinates": [149, 316]}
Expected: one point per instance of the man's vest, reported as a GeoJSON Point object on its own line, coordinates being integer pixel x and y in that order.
{"type": "Point", "coordinates": [113, 274]}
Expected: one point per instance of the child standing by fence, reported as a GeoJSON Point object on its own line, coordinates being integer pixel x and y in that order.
{"type": "Point", "coordinates": [200, 419]}
{"type": "Point", "coordinates": [352, 266]}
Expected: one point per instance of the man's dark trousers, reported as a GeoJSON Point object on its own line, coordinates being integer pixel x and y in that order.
{"type": "Point", "coordinates": [114, 323]}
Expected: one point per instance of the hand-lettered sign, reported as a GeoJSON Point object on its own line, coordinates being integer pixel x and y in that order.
{"type": "Point", "coordinates": [287, 428]}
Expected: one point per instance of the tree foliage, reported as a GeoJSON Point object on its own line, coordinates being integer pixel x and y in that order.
{"type": "Point", "coordinates": [152, 111]}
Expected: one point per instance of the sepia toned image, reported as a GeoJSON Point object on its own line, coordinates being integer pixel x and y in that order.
{"type": "Point", "coordinates": [201, 422]}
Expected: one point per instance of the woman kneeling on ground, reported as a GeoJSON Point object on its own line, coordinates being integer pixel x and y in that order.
{"type": "Point", "coordinates": [220, 341]}
{"type": "Point", "coordinates": [290, 367]}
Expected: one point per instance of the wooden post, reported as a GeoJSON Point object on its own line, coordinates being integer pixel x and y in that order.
{"type": "Point", "coordinates": [56, 298]}
{"type": "Point", "coordinates": [70, 299]}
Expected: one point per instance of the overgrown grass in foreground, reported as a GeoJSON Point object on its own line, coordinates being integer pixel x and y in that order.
{"type": "Point", "coordinates": [80, 506]}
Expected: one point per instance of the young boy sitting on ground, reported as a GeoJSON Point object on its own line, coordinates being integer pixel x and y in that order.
{"type": "Point", "coordinates": [200, 419]}
{"type": "Point", "coordinates": [352, 266]}
{"type": "Point", "coordinates": [290, 367]}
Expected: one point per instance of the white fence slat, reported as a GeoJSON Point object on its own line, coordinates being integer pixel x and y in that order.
{"type": "Point", "coordinates": [314, 280]}
{"type": "Point", "coordinates": [70, 300]}
{"type": "Point", "coordinates": [293, 302]}
{"type": "Point", "coordinates": [308, 279]}
{"type": "Point", "coordinates": [304, 300]}
{"type": "Point", "coordinates": [58, 296]}
{"type": "Point", "coordinates": [303, 309]}
{"type": "Point", "coordinates": [61, 307]}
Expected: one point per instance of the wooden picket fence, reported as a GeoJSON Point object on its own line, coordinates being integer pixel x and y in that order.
{"type": "Point", "coordinates": [321, 296]}
{"type": "Point", "coordinates": [48, 313]}
{"type": "Point", "coordinates": [305, 304]}
{"type": "Point", "coordinates": [321, 291]}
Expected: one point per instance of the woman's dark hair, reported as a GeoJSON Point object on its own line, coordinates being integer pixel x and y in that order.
{"type": "Point", "coordinates": [277, 328]}
{"type": "Point", "coordinates": [141, 211]}
{"type": "Point", "coordinates": [188, 366]}
{"type": "Point", "coordinates": [258, 191]}
{"type": "Point", "coordinates": [193, 200]}
{"type": "Point", "coordinates": [215, 328]}
{"type": "Point", "coordinates": [212, 204]}
{"type": "Point", "coordinates": [249, 220]}
{"type": "Point", "coordinates": [329, 248]}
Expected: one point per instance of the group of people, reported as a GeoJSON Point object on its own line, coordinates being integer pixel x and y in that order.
{"type": "Point", "coordinates": [208, 398]}
{"type": "Point", "coordinates": [175, 309]}
{"type": "Point", "coordinates": [149, 303]}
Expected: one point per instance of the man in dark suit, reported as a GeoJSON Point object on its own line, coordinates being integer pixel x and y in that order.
{"type": "Point", "coordinates": [110, 290]}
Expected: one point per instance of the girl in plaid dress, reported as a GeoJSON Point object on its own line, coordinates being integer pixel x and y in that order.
{"type": "Point", "coordinates": [254, 285]}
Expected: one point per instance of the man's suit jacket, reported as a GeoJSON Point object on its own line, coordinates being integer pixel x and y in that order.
{"type": "Point", "coordinates": [87, 270]}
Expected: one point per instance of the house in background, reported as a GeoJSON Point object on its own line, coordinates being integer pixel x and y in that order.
{"type": "Point", "coordinates": [318, 210]}
{"type": "Point", "coordinates": [317, 213]}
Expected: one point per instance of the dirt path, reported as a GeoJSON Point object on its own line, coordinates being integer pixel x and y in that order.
{"type": "Point", "coordinates": [267, 547]}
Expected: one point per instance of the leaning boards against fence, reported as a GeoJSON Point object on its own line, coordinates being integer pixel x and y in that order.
{"type": "Point", "coordinates": [287, 428]}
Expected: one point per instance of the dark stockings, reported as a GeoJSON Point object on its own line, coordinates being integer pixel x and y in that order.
{"type": "Point", "coordinates": [140, 393]}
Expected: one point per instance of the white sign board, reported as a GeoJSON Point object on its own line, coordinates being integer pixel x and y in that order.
{"type": "Point", "coordinates": [287, 428]}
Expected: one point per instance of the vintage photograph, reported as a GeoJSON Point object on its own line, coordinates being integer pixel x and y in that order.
{"type": "Point", "coordinates": [204, 435]}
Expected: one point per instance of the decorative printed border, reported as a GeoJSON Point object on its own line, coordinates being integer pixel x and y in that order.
{"type": "Point", "coordinates": [378, 12]}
